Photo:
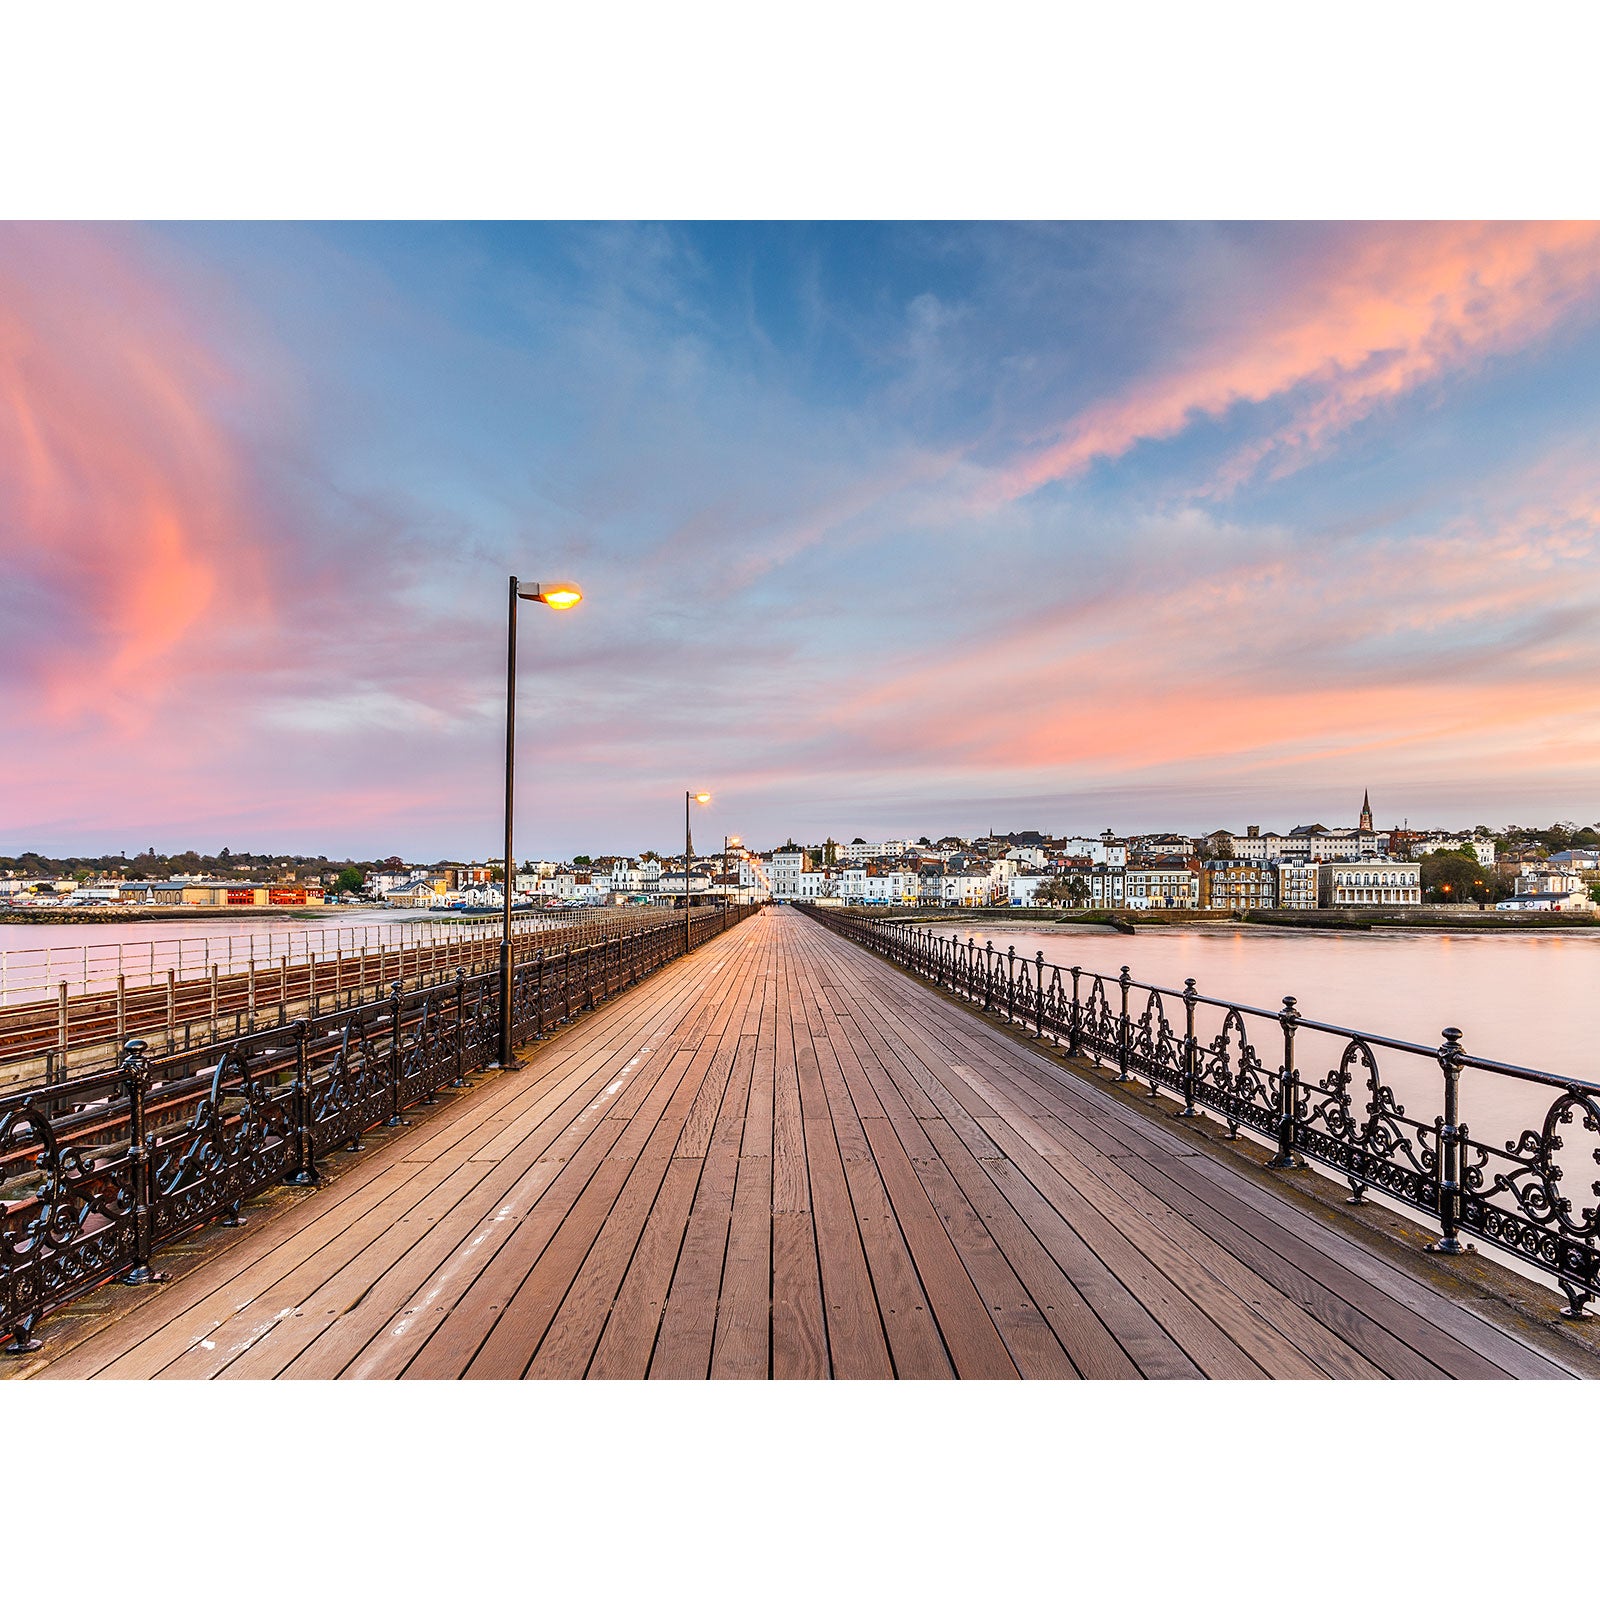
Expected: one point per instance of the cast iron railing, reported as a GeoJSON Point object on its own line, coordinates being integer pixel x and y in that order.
{"type": "Point", "coordinates": [99, 1172]}
{"type": "Point", "coordinates": [1316, 1091]}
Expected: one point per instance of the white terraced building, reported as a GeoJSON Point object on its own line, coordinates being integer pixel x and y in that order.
{"type": "Point", "coordinates": [858, 886]}
{"type": "Point", "coordinates": [1378, 882]}
{"type": "Point", "coordinates": [884, 850]}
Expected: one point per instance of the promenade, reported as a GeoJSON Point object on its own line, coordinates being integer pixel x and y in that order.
{"type": "Point", "coordinates": [781, 1157]}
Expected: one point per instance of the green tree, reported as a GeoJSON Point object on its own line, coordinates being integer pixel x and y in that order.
{"type": "Point", "coordinates": [349, 881]}
{"type": "Point", "coordinates": [1453, 877]}
{"type": "Point", "coordinates": [582, 861]}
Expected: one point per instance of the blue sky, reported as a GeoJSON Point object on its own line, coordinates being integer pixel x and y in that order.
{"type": "Point", "coordinates": [882, 527]}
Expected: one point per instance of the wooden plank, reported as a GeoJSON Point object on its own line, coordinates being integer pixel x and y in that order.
{"type": "Point", "coordinates": [799, 1334]}
{"type": "Point", "coordinates": [1251, 1301]}
{"type": "Point", "coordinates": [576, 1330]}
{"type": "Point", "coordinates": [1031, 1073]}
{"type": "Point", "coordinates": [1021, 1324]}
{"type": "Point", "coordinates": [628, 1340]}
{"type": "Point", "coordinates": [853, 1327]}
{"type": "Point", "coordinates": [688, 1324]}
{"type": "Point", "coordinates": [517, 1324]}
{"type": "Point", "coordinates": [1147, 1344]}
{"type": "Point", "coordinates": [1201, 1339]}
{"type": "Point", "coordinates": [914, 1343]}
{"type": "Point", "coordinates": [742, 1347]}
{"type": "Point", "coordinates": [799, 1330]}
{"type": "Point", "coordinates": [1044, 1076]}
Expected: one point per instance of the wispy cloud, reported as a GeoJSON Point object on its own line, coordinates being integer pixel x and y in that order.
{"type": "Point", "coordinates": [1385, 311]}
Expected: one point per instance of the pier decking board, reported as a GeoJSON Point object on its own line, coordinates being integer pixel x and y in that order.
{"type": "Point", "coordinates": [781, 1157]}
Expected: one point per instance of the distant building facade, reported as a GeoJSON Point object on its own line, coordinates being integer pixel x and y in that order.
{"type": "Point", "coordinates": [1383, 882]}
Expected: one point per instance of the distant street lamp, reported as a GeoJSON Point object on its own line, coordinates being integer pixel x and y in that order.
{"type": "Point", "coordinates": [701, 799]}
{"type": "Point", "coordinates": [727, 839]}
{"type": "Point", "coordinates": [559, 597]}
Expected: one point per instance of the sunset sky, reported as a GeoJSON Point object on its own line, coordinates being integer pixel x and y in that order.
{"type": "Point", "coordinates": [883, 530]}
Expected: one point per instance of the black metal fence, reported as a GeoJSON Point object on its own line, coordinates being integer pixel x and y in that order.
{"type": "Point", "coordinates": [97, 1173]}
{"type": "Point", "coordinates": [1313, 1090]}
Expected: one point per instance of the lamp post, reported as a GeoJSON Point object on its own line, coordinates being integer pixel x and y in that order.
{"type": "Point", "coordinates": [701, 799]}
{"type": "Point", "coordinates": [559, 597]}
{"type": "Point", "coordinates": [727, 839]}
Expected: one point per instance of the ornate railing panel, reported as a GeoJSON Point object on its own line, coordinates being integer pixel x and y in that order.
{"type": "Point", "coordinates": [1314, 1091]}
{"type": "Point", "coordinates": [97, 1172]}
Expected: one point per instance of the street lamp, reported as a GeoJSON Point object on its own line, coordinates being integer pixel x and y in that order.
{"type": "Point", "coordinates": [727, 839]}
{"type": "Point", "coordinates": [559, 597]}
{"type": "Point", "coordinates": [701, 799]}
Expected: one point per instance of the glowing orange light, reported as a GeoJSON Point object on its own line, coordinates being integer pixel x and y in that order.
{"type": "Point", "coordinates": [702, 799]}
{"type": "Point", "coordinates": [559, 596]}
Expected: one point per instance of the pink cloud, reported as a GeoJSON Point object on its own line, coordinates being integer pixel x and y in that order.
{"type": "Point", "coordinates": [127, 516]}
{"type": "Point", "coordinates": [1388, 311]}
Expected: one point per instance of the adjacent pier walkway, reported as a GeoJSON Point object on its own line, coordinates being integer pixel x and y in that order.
{"type": "Point", "coordinates": [780, 1157]}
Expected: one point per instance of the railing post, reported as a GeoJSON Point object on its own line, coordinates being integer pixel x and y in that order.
{"type": "Point", "coordinates": [1191, 1049]}
{"type": "Point", "coordinates": [122, 1011]}
{"type": "Point", "coordinates": [283, 990]}
{"type": "Point", "coordinates": [1124, 1032]}
{"type": "Point", "coordinates": [1450, 1134]}
{"type": "Point", "coordinates": [460, 1079]}
{"type": "Point", "coordinates": [1075, 1020]}
{"type": "Point", "coordinates": [1038, 994]}
{"type": "Point", "coordinates": [136, 1081]}
{"type": "Point", "coordinates": [1288, 1090]}
{"type": "Point", "coordinates": [63, 1024]}
{"type": "Point", "coordinates": [988, 973]}
{"type": "Point", "coordinates": [396, 1063]}
{"type": "Point", "coordinates": [1011, 983]}
{"type": "Point", "coordinates": [305, 1174]}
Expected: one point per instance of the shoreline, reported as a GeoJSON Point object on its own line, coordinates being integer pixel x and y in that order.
{"type": "Point", "coordinates": [1323, 921]}
{"type": "Point", "coordinates": [17, 916]}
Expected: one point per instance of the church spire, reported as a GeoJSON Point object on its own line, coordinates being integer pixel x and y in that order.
{"type": "Point", "coordinates": [1365, 825]}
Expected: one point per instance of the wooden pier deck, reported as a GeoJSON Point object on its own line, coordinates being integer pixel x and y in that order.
{"type": "Point", "coordinates": [780, 1157]}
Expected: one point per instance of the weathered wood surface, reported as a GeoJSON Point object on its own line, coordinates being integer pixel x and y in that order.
{"type": "Point", "coordinates": [783, 1158]}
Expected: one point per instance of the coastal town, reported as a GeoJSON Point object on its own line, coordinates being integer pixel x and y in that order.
{"type": "Point", "coordinates": [1307, 867]}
